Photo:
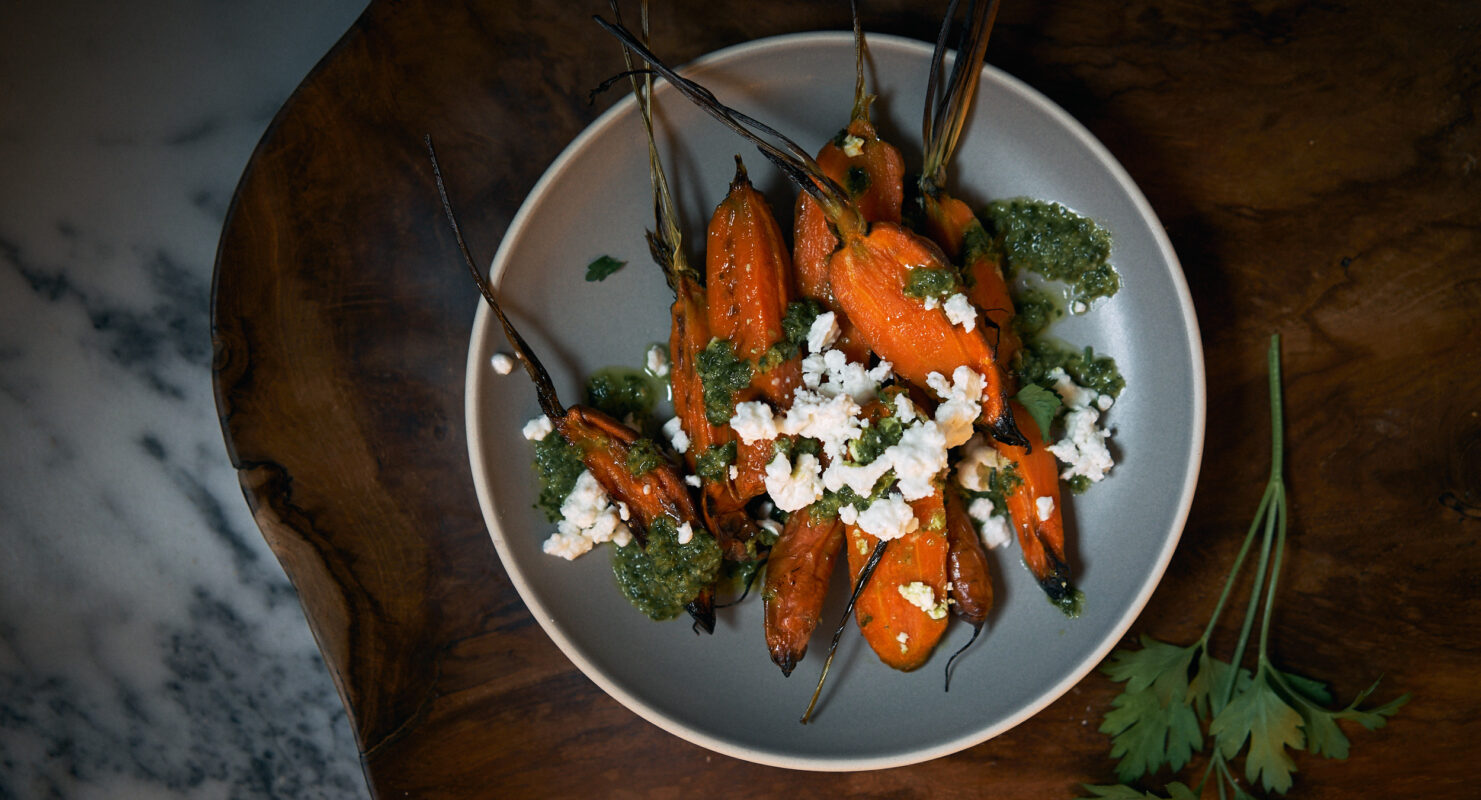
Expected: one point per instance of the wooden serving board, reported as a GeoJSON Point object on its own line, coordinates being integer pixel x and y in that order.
{"type": "Point", "coordinates": [1318, 168]}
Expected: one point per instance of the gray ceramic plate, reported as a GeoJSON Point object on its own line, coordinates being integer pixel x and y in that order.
{"type": "Point", "coordinates": [722, 691]}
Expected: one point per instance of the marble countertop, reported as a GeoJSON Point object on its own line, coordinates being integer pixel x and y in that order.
{"type": "Point", "coordinates": [150, 644]}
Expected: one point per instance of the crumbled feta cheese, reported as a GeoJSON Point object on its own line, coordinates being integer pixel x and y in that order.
{"type": "Point", "coordinates": [1104, 402]}
{"type": "Point", "coordinates": [960, 311]}
{"type": "Point", "coordinates": [538, 428]}
{"type": "Point", "coordinates": [961, 402]}
{"type": "Point", "coordinates": [849, 515]}
{"type": "Point", "coordinates": [834, 420]}
{"type": "Point", "coordinates": [502, 363]}
{"type": "Point", "coordinates": [979, 458]}
{"type": "Point", "coordinates": [904, 408]}
{"type": "Point", "coordinates": [658, 361]}
{"type": "Point", "coordinates": [1079, 307]}
{"type": "Point", "coordinates": [918, 459]}
{"type": "Point", "coordinates": [823, 333]}
{"type": "Point", "coordinates": [623, 512]}
{"type": "Point", "coordinates": [1073, 394]}
{"type": "Point", "coordinates": [692, 480]}
{"type": "Point", "coordinates": [685, 533]}
{"type": "Point", "coordinates": [923, 597]}
{"type": "Point", "coordinates": [587, 518]}
{"type": "Point", "coordinates": [794, 487]}
{"type": "Point", "coordinates": [904, 640]}
{"type": "Point", "coordinates": [853, 146]}
{"type": "Point", "coordinates": [734, 472]}
{"type": "Point", "coordinates": [673, 430]}
{"type": "Point", "coordinates": [753, 421]}
{"type": "Point", "coordinates": [1044, 507]}
{"type": "Point", "coordinates": [889, 517]}
{"type": "Point", "coordinates": [995, 531]}
{"type": "Point", "coordinates": [1083, 449]}
{"type": "Point", "coordinates": [931, 303]}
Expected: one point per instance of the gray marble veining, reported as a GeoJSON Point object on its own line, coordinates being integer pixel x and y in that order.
{"type": "Point", "coordinates": [150, 645]}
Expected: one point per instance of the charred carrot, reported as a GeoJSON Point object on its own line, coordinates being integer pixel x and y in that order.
{"type": "Point", "coordinates": [798, 571]}
{"type": "Point", "coordinates": [628, 467]}
{"type": "Point", "coordinates": [1033, 502]}
{"type": "Point", "coordinates": [748, 282]}
{"type": "Point", "coordinates": [966, 568]}
{"type": "Point", "coordinates": [945, 219]}
{"type": "Point", "coordinates": [902, 612]}
{"type": "Point", "coordinates": [873, 172]}
{"type": "Point", "coordinates": [722, 497]}
{"type": "Point", "coordinates": [930, 342]}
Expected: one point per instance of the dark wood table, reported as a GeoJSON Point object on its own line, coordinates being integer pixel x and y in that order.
{"type": "Point", "coordinates": [1316, 165]}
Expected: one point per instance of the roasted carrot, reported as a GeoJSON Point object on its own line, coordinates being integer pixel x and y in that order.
{"type": "Point", "coordinates": [748, 283]}
{"type": "Point", "coordinates": [966, 566]}
{"type": "Point", "coordinates": [1040, 529]}
{"type": "Point", "coordinates": [649, 485]}
{"type": "Point", "coordinates": [798, 571]}
{"type": "Point", "coordinates": [945, 219]}
{"type": "Point", "coordinates": [722, 499]}
{"type": "Point", "coordinates": [873, 172]}
{"type": "Point", "coordinates": [899, 631]}
{"type": "Point", "coordinates": [870, 259]}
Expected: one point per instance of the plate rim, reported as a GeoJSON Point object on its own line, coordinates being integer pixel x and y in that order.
{"type": "Point", "coordinates": [475, 376]}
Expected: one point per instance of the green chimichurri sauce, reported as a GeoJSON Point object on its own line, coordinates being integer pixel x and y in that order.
{"type": "Point", "coordinates": [883, 434]}
{"type": "Point", "coordinates": [659, 579]}
{"type": "Point", "coordinates": [557, 466]}
{"type": "Point", "coordinates": [722, 375]}
{"type": "Point", "coordinates": [926, 282]}
{"type": "Point", "coordinates": [619, 391]}
{"type": "Point", "coordinates": [1041, 355]}
{"type": "Point", "coordinates": [643, 457]}
{"type": "Point", "coordinates": [795, 326]}
{"type": "Point", "coordinates": [1035, 310]}
{"type": "Point", "coordinates": [714, 463]}
{"type": "Point", "coordinates": [1055, 242]}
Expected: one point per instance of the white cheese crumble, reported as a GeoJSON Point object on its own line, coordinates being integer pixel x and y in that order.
{"type": "Point", "coordinates": [588, 518]}
{"type": "Point", "coordinates": [823, 333]}
{"type": "Point", "coordinates": [853, 146]}
{"type": "Point", "coordinates": [931, 303]}
{"type": "Point", "coordinates": [904, 640]}
{"type": "Point", "coordinates": [889, 517]}
{"type": "Point", "coordinates": [1083, 449]}
{"type": "Point", "coordinates": [979, 458]}
{"type": "Point", "coordinates": [693, 480]}
{"type": "Point", "coordinates": [923, 597]}
{"type": "Point", "coordinates": [791, 487]}
{"type": "Point", "coordinates": [961, 402]}
{"type": "Point", "coordinates": [685, 533]}
{"type": "Point", "coordinates": [753, 421]}
{"type": "Point", "coordinates": [960, 311]}
{"type": "Point", "coordinates": [1079, 307]}
{"type": "Point", "coordinates": [538, 428]}
{"type": "Point", "coordinates": [674, 430]}
{"type": "Point", "coordinates": [502, 363]}
{"type": "Point", "coordinates": [658, 361]}
{"type": "Point", "coordinates": [734, 472]}
{"type": "Point", "coordinates": [994, 527]}
{"type": "Point", "coordinates": [1044, 507]}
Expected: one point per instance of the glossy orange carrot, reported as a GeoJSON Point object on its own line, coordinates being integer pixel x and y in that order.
{"type": "Point", "coordinates": [869, 274]}
{"type": "Point", "coordinates": [1034, 504]}
{"type": "Point", "coordinates": [873, 172]}
{"type": "Point", "coordinates": [966, 566]}
{"type": "Point", "coordinates": [899, 631]}
{"type": "Point", "coordinates": [798, 572]}
{"type": "Point", "coordinates": [649, 486]}
{"type": "Point", "coordinates": [945, 219]}
{"type": "Point", "coordinates": [748, 283]}
{"type": "Point", "coordinates": [722, 499]}
{"type": "Point", "coordinates": [871, 259]}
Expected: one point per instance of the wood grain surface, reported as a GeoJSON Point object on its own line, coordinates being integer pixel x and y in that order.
{"type": "Point", "coordinates": [1315, 164]}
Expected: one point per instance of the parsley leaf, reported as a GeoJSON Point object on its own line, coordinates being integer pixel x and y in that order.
{"type": "Point", "coordinates": [602, 268]}
{"type": "Point", "coordinates": [1266, 715]}
{"type": "Point", "coordinates": [1042, 405]}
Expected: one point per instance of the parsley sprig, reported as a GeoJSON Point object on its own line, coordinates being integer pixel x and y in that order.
{"type": "Point", "coordinates": [1176, 698]}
